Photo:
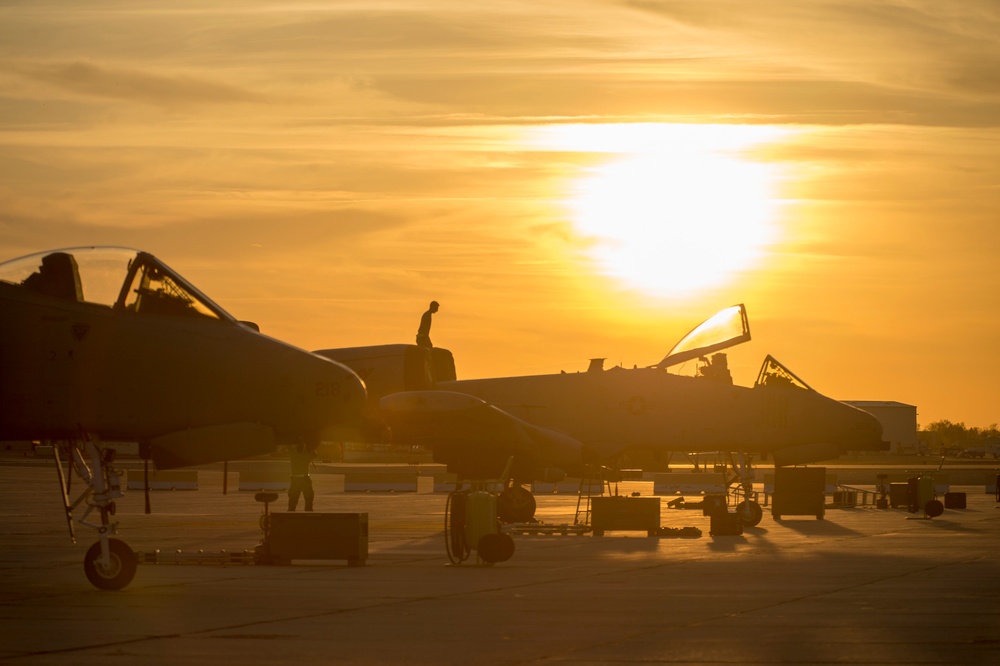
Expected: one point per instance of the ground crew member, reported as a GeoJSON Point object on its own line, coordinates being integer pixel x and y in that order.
{"type": "Point", "coordinates": [300, 483]}
{"type": "Point", "coordinates": [424, 332]}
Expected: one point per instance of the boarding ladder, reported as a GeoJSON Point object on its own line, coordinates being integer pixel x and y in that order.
{"type": "Point", "coordinates": [583, 509]}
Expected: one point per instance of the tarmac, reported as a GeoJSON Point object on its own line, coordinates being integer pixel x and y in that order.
{"type": "Point", "coordinates": [862, 586]}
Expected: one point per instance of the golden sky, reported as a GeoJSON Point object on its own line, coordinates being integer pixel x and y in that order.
{"type": "Point", "coordinates": [569, 179]}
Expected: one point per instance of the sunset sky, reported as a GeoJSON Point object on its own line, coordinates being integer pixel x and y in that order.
{"type": "Point", "coordinates": [569, 179]}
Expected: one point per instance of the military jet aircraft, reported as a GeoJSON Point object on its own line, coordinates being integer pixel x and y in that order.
{"type": "Point", "coordinates": [106, 343]}
{"type": "Point", "coordinates": [567, 422]}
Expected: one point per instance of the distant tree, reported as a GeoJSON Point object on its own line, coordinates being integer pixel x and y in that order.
{"type": "Point", "coordinates": [945, 433]}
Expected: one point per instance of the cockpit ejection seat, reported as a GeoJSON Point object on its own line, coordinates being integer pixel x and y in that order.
{"type": "Point", "coordinates": [58, 276]}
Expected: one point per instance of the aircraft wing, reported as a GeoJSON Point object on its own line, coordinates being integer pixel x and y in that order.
{"type": "Point", "coordinates": [476, 439]}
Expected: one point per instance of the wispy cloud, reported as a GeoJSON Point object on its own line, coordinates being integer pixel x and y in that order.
{"type": "Point", "coordinates": [121, 84]}
{"type": "Point", "coordinates": [925, 47]}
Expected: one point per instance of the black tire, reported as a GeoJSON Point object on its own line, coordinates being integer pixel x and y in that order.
{"type": "Point", "coordinates": [516, 505]}
{"type": "Point", "coordinates": [750, 512]}
{"type": "Point", "coordinates": [496, 547]}
{"type": "Point", "coordinates": [119, 574]}
{"type": "Point", "coordinates": [933, 508]}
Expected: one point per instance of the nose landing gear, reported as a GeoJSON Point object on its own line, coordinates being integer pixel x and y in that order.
{"type": "Point", "coordinates": [749, 510]}
{"type": "Point", "coordinates": [109, 563]}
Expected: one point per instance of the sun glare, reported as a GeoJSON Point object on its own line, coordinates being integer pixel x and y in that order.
{"type": "Point", "coordinates": [678, 208]}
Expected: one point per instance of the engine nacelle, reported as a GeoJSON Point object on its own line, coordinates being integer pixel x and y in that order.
{"type": "Point", "coordinates": [387, 369]}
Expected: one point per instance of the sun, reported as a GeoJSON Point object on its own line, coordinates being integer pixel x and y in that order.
{"type": "Point", "coordinates": [676, 209]}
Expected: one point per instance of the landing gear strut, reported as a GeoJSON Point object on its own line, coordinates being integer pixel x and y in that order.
{"type": "Point", "coordinates": [109, 563]}
{"type": "Point", "coordinates": [749, 510]}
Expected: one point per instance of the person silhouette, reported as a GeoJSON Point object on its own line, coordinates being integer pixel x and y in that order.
{"type": "Point", "coordinates": [424, 332]}
{"type": "Point", "coordinates": [300, 483]}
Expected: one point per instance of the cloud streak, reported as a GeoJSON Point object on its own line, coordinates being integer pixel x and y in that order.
{"type": "Point", "coordinates": [120, 84]}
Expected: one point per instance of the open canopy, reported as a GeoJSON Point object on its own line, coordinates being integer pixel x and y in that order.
{"type": "Point", "coordinates": [118, 277]}
{"type": "Point", "coordinates": [726, 328]}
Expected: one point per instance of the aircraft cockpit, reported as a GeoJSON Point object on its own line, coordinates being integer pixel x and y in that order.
{"type": "Point", "coordinates": [152, 289]}
{"type": "Point", "coordinates": [117, 277]}
{"type": "Point", "coordinates": [727, 328]}
{"type": "Point", "coordinates": [773, 373]}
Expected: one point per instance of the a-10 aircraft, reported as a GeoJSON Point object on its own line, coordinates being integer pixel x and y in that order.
{"type": "Point", "coordinates": [110, 344]}
{"type": "Point", "coordinates": [556, 424]}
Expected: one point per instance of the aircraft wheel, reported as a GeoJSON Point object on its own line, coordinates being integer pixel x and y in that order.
{"type": "Point", "coordinates": [516, 505]}
{"type": "Point", "coordinates": [121, 570]}
{"type": "Point", "coordinates": [750, 512]}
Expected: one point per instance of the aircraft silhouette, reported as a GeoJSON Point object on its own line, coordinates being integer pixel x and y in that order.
{"type": "Point", "coordinates": [107, 343]}
{"type": "Point", "coordinates": [555, 424]}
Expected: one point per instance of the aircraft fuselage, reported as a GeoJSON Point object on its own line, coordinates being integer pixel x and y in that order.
{"type": "Point", "coordinates": [70, 367]}
{"type": "Point", "coordinates": [611, 411]}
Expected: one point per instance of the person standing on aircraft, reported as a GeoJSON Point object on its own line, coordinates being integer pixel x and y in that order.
{"type": "Point", "coordinates": [424, 332]}
{"type": "Point", "coordinates": [301, 483]}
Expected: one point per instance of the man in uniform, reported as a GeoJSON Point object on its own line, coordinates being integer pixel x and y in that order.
{"type": "Point", "coordinates": [300, 483]}
{"type": "Point", "coordinates": [424, 332]}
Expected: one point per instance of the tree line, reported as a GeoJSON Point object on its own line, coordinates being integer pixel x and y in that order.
{"type": "Point", "coordinates": [947, 434]}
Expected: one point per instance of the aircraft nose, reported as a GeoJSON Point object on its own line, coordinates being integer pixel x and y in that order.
{"type": "Point", "coordinates": [868, 432]}
{"type": "Point", "coordinates": [342, 399]}
{"type": "Point", "coordinates": [354, 393]}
